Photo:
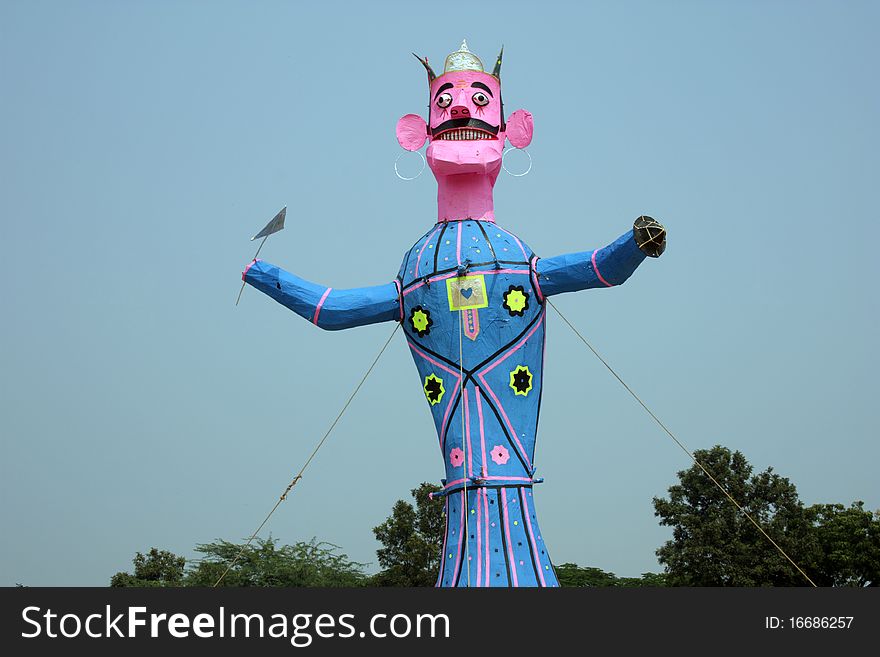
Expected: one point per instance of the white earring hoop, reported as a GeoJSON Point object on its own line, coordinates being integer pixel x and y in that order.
{"type": "Point", "coordinates": [420, 170]}
{"type": "Point", "coordinates": [516, 175]}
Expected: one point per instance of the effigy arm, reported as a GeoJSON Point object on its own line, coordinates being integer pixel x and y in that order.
{"type": "Point", "coordinates": [325, 307]}
{"type": "Point", "coordinates": [605, 267]}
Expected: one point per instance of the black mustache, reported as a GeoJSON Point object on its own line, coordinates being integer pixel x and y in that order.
{"type": "Point", "coordinates": [464, 123]}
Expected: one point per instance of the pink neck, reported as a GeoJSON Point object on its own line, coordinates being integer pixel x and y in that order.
{"type": "Point", "coordinates": [465, 196]}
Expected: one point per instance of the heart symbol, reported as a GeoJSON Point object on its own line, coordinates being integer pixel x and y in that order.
{"type": "Point", "coordinates": [467, 292]}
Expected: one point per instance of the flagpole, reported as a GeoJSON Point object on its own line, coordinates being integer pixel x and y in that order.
{"type": "Point", "coordinates": [243, 283]}
{"type": "Point", "coordinates": [273, 226]}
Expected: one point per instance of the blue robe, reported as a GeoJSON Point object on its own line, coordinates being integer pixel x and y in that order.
{"type": "Point", "coordinates": [471, 296]}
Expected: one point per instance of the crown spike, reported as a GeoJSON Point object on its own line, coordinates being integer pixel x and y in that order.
{"type": "Point", "coordinates": [497, 71]}
{"type": "Point", "coordinates": [431, 74]}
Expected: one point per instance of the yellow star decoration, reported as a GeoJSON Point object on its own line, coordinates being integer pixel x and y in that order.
{"type": "Point", "coordinates": [434, 389]}
{"type": "Point", "coordinates": [420, 320]}
{"type": "Point", "coordinates": [516, 301]}
{"type": "Point", "coordinates": [521, 380]}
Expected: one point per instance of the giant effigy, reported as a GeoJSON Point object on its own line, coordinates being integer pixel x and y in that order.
{"type": "Point", "coordinates": [471, 299]}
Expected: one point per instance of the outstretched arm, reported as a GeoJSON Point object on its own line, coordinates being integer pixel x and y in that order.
{"type": "Point", "coordinates": [605, 267]}
{"type": "Point", "coordinates": [323, 306]}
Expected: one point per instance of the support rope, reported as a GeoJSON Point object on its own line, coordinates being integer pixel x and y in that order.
{"type": "Point", "coordinates": [677, 442]}
{"type": "Point", "coordinates": [465, 507]}
{"type": "Point", "coordinates": [299, 474]}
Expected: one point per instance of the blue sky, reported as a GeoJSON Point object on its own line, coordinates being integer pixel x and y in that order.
{"type": "Point", "coordinates": [143, 143]}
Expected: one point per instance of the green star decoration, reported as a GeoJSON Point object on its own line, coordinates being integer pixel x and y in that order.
{"type": "Point", "coordinates": [521, 380]}
{"type": "Point", "coordinates": [434, 389]}
{"type": "Point", "coordinates": [421, 321]}
{"type": "Point", "coordinates": [516, 300]}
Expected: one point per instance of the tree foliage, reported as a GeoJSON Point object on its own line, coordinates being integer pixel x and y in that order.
{"type": "Point", "coordinates": [714, 544]}
{"type": "Point", "coordinates": [411, 538]}
{"type": "Point", "coordinates": [571, 574]}
{"type": "Point", "coordinates": [263, 563]}
{"type": "Point", "coordinates": [156, 568]}
{"type": "Point", "coordinates": [849, 545]}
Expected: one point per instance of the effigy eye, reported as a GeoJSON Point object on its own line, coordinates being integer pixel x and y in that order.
{"type": "Point", "coordinates": [480, 99]}
{"type": "Point", "coordinates": [444, 101]}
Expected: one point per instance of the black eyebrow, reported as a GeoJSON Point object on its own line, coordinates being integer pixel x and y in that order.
{"type": "Point", "coordinates": [480, 85]}
{"type": "Point", "coordinates": [443, 87]}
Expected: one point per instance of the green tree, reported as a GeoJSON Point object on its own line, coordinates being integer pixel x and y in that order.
{"type": "Point", "coordinates": [849, 542]}
{"type": "Point", "coordinates": [571, 574]}
{"type": "Point", "coordinates": [265, 563]}
{"type": "Point", "coordinates": [411, 539]}
{"type": "Point", "coordinates": [714, 544]}
{"type": "Point", "coordinates": [156, 568]}
{"type": "Point", "coordinates": [646, 580]}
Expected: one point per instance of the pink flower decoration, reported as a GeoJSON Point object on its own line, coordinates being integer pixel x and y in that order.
{"type": "Point", "coordinates": [500, 455]}
{"type": "Point", "coordinates": [456, 457]}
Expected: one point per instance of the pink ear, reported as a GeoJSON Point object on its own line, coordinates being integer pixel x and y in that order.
{"type": "Point", "coordinates": [519, 128]}
{"type": "Point", "coordinates": [411, 132]}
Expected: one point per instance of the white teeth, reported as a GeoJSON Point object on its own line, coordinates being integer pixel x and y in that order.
{"type": "Point", "coordinates": [464, 134]}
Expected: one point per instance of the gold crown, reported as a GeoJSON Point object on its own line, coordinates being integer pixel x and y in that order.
{"type": "Point", "coordinates": [462, 60]}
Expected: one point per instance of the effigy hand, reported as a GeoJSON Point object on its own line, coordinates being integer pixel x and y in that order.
{"type": "Point", "coordinates": [650, 236]}
{"type": "Point", "coordinates": [250, 264]}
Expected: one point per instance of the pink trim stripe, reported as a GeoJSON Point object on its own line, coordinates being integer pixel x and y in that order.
{"type": "Point", "coordinates": [443, 425]}
{"type": "Point", "coordinates": [596, 269]}
{"type": "Point", "coordinates": [431, 360]}
{"type": "Point", "coordinates": [455, 572]}
{"type": "Point", "coordinates": [443, 277]}
{"type": "Point", "coordinates": [489, 218]}
{"type": "Point", "coordinates": [453, 484]}
{"type": "Point", "coordinates": [543, 360]}
{"type": "Point", "coordinates": [458, 246]}
{"type": "Point", "coordinates": [525, 507]}
{"type": "Point", "coordinates": [507, 532]}
{"type": "Point", "coordinates": [522, 451]}
{"type": "Point", "coordinates": [399, 298]}
{"type": "Point", "coordinates": [486, 528]}
{"type": "Point", "coordinates": [498, 271]}
{"type": "Point", "coordinates": [467, 433]}
{"type": "Point", "coordinates": [479, 535]}
{"type": "Point", "coordinates": [413, 288]}
{"type": "Point", "coordinates": [518, 345]}
{"type": "Point", "coordinates": [533, 271]}
{"type": "Point", "coordinates": [483, 469]}
{"type": "Point", "coordinates": [515, 239]}
{"type": "Point", "coordinates": [445, 534]}
{"type": "Point", "coordinates": [422, 250]}
{"type": "Point", "coordinates": [247, 269]}
{"type": "Point", "coordinates": [321, 305]}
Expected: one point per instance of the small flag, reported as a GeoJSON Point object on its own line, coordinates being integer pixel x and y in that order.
{"type": "Point", "coordinates": [273, 226]}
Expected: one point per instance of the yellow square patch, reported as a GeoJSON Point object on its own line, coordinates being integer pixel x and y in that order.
{"type": "Point", "coordinates": [467, 292]}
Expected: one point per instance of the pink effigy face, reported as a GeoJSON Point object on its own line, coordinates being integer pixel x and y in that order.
{"type": "Point", "coordinates": [465, 129]}
{"type": "Point", "coordinates": [466, 132]}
